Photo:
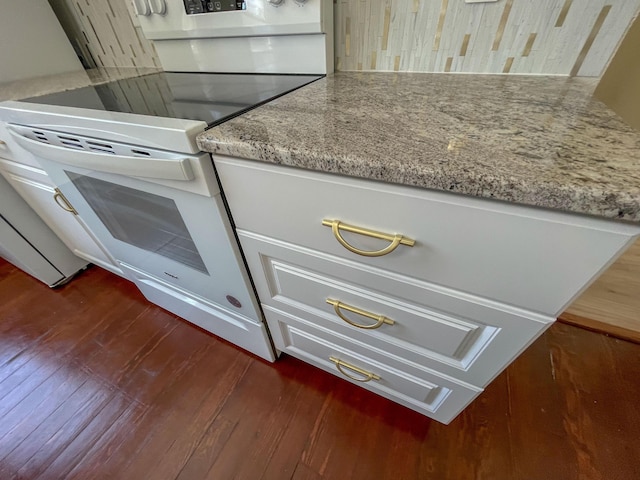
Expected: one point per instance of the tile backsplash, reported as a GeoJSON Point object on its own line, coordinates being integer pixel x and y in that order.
{"type": "Point", "coordinates": [561, 37]}
{"type": "Point", "coordinates": [104, 34]}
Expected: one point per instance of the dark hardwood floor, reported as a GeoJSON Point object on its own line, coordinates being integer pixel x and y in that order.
{"type": "Point", "coordinates": [97, 383]}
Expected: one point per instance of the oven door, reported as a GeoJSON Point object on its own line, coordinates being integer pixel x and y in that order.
{"type": "Point", "coordinates": [156, 211]}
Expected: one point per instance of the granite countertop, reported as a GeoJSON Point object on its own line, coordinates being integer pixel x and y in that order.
{"type": "Point", "coordinates": [32, 87]}
{"type": "Point", "coordinates": [541, 141]}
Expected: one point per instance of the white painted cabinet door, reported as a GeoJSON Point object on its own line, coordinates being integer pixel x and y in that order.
{"type": "Point", "coordinates": [66, 225]}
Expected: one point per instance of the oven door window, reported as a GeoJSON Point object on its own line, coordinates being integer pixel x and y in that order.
{"type": "Point", "coordinates": [144, 220]}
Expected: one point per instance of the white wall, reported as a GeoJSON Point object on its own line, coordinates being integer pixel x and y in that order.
{"type": "Point", "coordinates": [32, 42]}
{"type": "Point", "coordinates": [620, 84]}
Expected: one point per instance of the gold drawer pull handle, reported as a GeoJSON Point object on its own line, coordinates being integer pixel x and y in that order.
{"type": "Point", "coordinates": [380, 319]}
{"type": "Point", "coordinates": [368, 376]}
{"type": "Point", "coordinates": [395, 240]}
{"type": "Point", "coordinates": [65, 205]}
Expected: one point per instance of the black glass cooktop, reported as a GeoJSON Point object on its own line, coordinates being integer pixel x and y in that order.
{"type": "Point", "coordinates": [209, 97]}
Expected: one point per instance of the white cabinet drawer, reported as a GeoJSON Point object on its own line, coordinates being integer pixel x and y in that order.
{"type": "Point", "coordinates": [462, 336]}
{"type": "Point", "coordinates": [535, 259]}
{"type": "Point", "coordinates": [426, 392]}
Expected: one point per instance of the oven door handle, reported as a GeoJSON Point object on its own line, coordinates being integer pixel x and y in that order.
{"type": "Point", "coordinates": [145, 167]}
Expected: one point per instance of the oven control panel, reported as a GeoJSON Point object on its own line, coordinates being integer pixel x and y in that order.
{"type": "Point", "coordinates": [200, 19]}
{"type": "Point", "coordinates": [193, 7]}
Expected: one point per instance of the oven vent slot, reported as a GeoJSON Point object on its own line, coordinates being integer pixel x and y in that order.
{"type": "Point", "coordinates": [73, 145]}
{"type": "Point", "coordinates": [41, 136]}
{"type": "Point", "coordinates": [99, 145]}
{"type": "Point", "coordinates": [75, 142]}
{"type": "Point", "coordinates": [140, 152]}
{"type": "Point", "coordinates": [102, 150]}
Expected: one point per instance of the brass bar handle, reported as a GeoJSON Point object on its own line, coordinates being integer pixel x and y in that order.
{"type": "Point", "coordinates": [380, 319]}
{"type": "Point", "coordinates": [368, 376]}
{"type": "Point", "coordinates": [65, 205]}
{"type": "Point", "coordinates": [396, 239]}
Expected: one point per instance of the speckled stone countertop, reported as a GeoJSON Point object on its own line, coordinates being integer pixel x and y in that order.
{"type": "Point", "coordinates": [541, 141]}
{"type": "Point", "coordinates": [67, 81]}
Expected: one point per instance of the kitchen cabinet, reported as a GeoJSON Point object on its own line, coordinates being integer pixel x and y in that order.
{"type": "Point", "coordinates": [428, 322]}
{"type": "Point", "coordinates": [35, 187]}
{"type": "Point", "coordinates": [29, 244]}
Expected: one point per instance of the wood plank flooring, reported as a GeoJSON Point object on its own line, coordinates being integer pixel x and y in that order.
{"type": "Point", "coordinates": [612, 303]}
{"type": "Point", "coordinates": [95, 383]}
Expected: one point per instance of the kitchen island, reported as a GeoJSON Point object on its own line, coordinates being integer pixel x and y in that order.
{"type": "Point", "coordinates": [465, 213]}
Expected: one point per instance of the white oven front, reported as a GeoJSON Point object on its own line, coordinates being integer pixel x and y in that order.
{"type": "Point", "coordinates": [160, 214]}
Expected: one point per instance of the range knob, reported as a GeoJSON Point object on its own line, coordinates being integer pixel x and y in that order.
{"type": "Point", "coordinates": [301, 2]}
{"type": "Point", "coordinates": [275, 3]}
{"type": "Point", "coordinates": [158, 7]}
{"type": "Point", "coordinates": [141, 8]}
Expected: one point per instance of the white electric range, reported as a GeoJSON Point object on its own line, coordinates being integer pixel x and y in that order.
{"type": "Point", "coordinates": [124, 157]}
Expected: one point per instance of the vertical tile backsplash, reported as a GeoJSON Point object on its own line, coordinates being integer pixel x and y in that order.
{"type": "Point", "coordinates": [104, 34]}
{"type": "Point", "coordinates": [562, 37]}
